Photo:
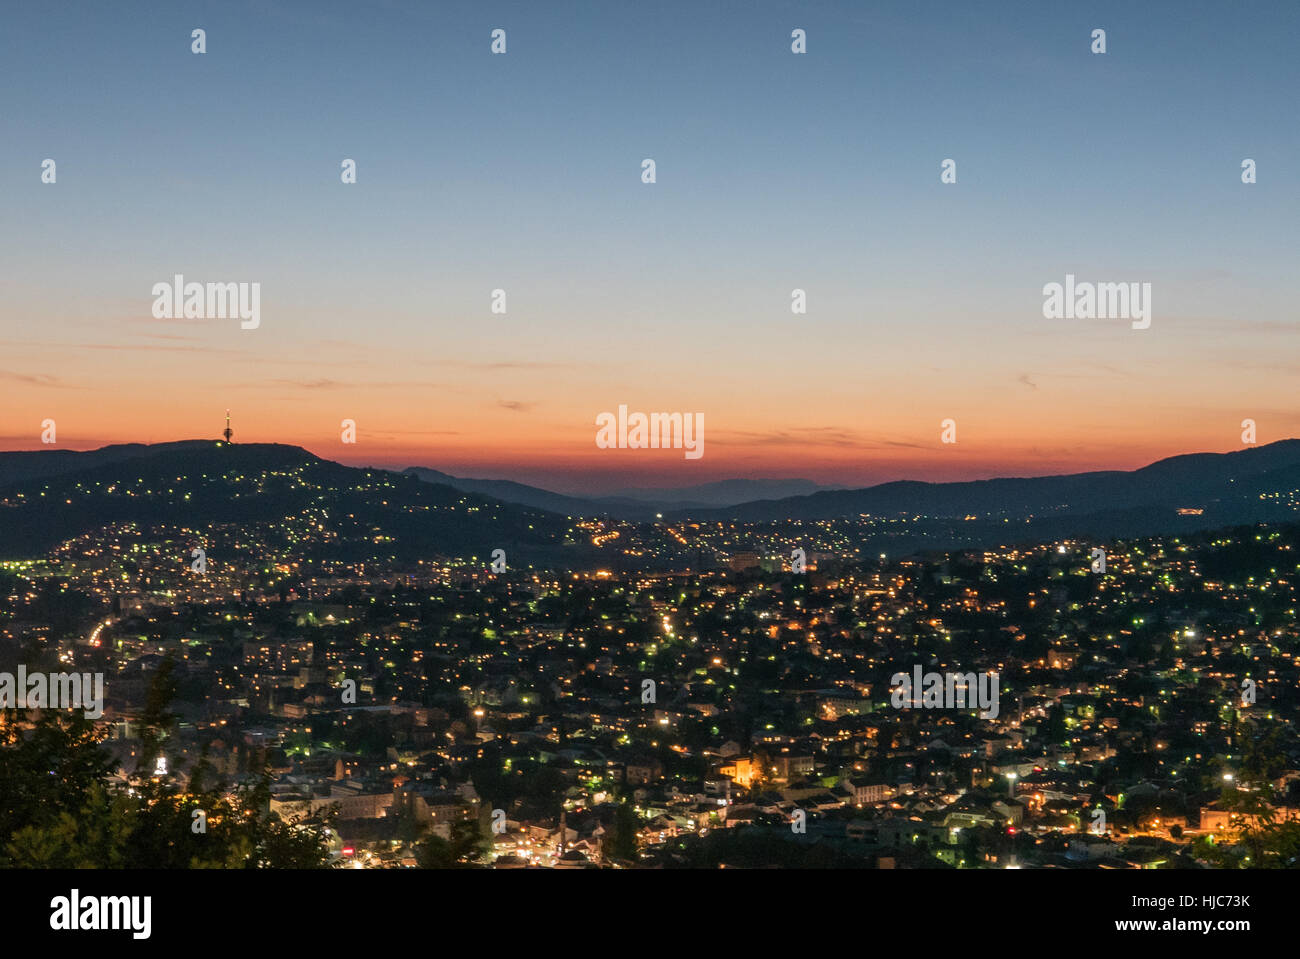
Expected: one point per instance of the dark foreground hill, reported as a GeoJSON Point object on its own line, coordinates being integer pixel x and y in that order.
{"type": "Point", "coordinates": [296, 500]}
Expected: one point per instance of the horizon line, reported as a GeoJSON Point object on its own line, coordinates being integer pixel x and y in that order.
{"type": "Point", "coordinates": [822, 487]}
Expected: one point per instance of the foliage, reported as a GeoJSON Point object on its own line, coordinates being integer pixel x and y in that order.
{"type": "Point", "coordinates": [60, 808]}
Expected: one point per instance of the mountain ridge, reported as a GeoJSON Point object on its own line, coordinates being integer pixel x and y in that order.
{"type": "Point", "coordinates": [273, 487]}
{"type": "Point", "coordinates": [54, 495]}
{"type": "Point", "coordinates": [1099, 489]}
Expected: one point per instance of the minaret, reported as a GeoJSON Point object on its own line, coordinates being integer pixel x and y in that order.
{"type": "Point", "coordinates": [228, 431]}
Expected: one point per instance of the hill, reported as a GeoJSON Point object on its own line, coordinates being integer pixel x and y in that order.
{"type": "Point", "coordinates": [296, 500]}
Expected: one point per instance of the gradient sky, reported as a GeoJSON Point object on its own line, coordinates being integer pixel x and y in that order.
{"type": "Point", "coordinates": [775, 171]}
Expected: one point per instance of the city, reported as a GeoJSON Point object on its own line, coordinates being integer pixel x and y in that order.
{"type": "Point", "coordinates": [365, 575]}
{"type": "Point", "coordinates": [694, 695]}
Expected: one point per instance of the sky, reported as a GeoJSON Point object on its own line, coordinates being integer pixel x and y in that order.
{"type": "Point", "coordinates": [775, 171]}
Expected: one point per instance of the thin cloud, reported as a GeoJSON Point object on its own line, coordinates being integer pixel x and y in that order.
{"type": "Point", "coordinates": [312, 384]}
{"type": "Point", "coordinates": [38, 379]}
{"type": "Point", "coordinates": [152, 348]}
{"type": "Point", "coordinates": [506, 365]}
{"type": "Point", "coordinates": [142, 347]}
{"type": "Point", "coordinates": [381, 432]}
{"type": "Point", "coordinates": [328, 384]}
{"type": "Point", "coordinates": [815, 436]}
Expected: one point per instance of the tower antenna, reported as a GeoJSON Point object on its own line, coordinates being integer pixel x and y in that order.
{"type": "Point", "coordinates": [228, 432]}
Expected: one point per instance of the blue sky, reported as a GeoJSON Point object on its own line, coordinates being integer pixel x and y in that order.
{"type": "Point", "coordinates": [774, 171]}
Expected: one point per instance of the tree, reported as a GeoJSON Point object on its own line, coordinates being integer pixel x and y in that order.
{"type": "Point", "coordinates": [1263, 841]}
{"type": "Point", "coordinates": [156, 720]}
{"type": "Point", "coordinates": [620, 841]}
{"type": "Point", "coordinates": [466, 845]}
{"type": "Point", "coordinates": [55, 766]}
{"type": "Point", "coordinates": [59, 808]}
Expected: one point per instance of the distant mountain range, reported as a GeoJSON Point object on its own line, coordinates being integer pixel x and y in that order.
{"type": "Point", "coordinates": [635, 505]}
{"type": "Point", "coordinates": [1182, 494]}
{"type": "Point", "coordinates": [1225, 484]}
{"type": "Point", "coordinates": [722, 493]}
{"type": "Point", "coordinates": [1191, 481]}
{"type": "Point", "coordinates": [51, 496]}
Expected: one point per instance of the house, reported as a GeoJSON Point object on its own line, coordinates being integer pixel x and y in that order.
{"type": "Point", "coordinates": [1089, 848]}
{"type": "Point", "coordinates": [863, 791]}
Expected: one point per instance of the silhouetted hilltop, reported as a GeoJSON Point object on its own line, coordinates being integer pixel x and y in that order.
{"type": "Point", "coordinates": [366, 513]}
{"type": "Point", "coordinates": [37, 464]}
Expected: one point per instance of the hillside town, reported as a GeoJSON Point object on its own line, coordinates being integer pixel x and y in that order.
{"type": "Point", "coordinates": [740, 713]}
